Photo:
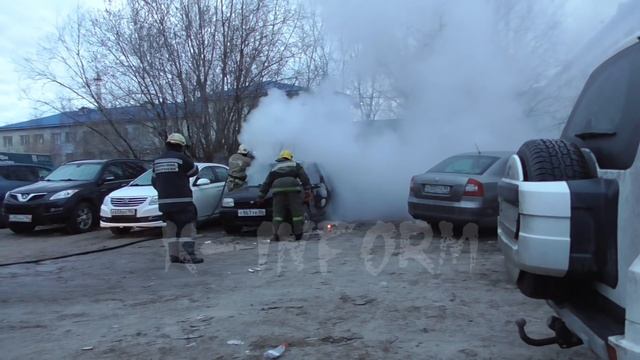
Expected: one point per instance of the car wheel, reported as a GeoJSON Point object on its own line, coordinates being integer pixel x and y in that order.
{"type": "Point", "coordinates": [82, 219]}
{"type": "Point", "coordinates": [118, 231]}
{"type": "Point", "coordinates": [21, 228]}
{"type": "Point", "coordinates": [232, 229]}
{"type": "Point", "coordinates": [552, 160]}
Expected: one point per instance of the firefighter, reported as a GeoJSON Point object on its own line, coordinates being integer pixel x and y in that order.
{"type": "Point", "coordinates": [287, 180]}
{"type": "Point", "coordinates": [238, 164]}
{"type": "Point", "coordinates": [171, 174]}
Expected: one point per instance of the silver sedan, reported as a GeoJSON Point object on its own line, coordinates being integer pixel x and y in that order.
{"type": "Point", "coordinates": [460, 189]}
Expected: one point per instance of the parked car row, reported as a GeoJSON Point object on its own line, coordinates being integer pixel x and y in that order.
{"type": "Point", "coordinates": [118, 195]}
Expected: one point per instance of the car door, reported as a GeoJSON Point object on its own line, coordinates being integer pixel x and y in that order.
{"type": "Point", "coordinates": [222, 173]}
{"type": "Point", "coordinates": [204, 192]}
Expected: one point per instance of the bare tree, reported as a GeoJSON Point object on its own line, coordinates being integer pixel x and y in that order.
{"type": "Point", "coordinates": [68, 63]}
{"type": "Point", "coordinates": [196, 66]}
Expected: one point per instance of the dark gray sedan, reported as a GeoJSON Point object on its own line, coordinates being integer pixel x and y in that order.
{"type": "Point", "coordinates": [460, 189]}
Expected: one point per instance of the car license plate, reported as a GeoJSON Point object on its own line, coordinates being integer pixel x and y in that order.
{"type": "Point", "coordinates": [437, 189]}
{"type": "Point", "coordinates": [252, 212]}
{"type": "Point", "coordinates": [20, 218]}
{"type": "Point", "coordinates": [123, 212]}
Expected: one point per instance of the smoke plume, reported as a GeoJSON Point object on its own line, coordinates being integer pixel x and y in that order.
{"type": "Point", "coordinates": [456, 76]}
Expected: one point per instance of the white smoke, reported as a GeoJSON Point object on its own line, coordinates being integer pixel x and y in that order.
{"type": "Point", "coordinates": [459, 70]}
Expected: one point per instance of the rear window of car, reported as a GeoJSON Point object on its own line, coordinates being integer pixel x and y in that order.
{"type": "Point", "coordinates": [465, 164]}
{"type": "Point", "coordinates": [605, 119]}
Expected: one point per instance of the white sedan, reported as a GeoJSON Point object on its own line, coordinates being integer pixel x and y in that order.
{"type": "Point", "coordinates": [136, 205]}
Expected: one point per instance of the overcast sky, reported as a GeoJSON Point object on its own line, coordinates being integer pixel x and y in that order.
{"type": "Point", "coordinates": [23, 23]}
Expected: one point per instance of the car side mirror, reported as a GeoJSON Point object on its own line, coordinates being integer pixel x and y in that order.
{"type": "Point", "coordinates": [107, 179]}
{"type": "Point", "coordinates": [203, 181]}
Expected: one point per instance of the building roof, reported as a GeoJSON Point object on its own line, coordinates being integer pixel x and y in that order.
{"type": "Point", "coordinates": [80, 117]}
{"type": "Point", "coordinates": [139, 112]}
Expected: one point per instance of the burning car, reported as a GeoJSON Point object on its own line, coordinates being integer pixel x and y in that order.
{"type": "Point", "coordinates": [240, 208]}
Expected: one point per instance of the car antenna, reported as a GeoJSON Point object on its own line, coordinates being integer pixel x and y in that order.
{"type": "Point", "coordinates": [478, 148]}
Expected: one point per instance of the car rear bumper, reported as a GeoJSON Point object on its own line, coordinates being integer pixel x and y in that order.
{"type": "Point", "coordinates": [534, 226]}
{"type": "Point", "coordinates": [458, 212]}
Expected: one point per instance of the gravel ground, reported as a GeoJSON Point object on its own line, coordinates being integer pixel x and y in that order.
{"type": "Point", "coordinates": [342, 294]}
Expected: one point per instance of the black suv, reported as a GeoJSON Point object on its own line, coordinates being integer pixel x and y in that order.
{"type": "Point", "coordinates": [70, 195]}
{"type": "Point", "coordinates": [14, 175]}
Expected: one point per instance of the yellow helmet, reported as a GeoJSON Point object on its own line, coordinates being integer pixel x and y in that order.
{"type": "Point", "coordinates": [286, 154]}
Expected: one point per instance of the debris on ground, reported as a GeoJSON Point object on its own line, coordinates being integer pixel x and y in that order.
{"type": "Point", "coordinates": [276, 352]}
{"type": "Point", "coordinates": [339, 339]}
{"type": "Point", "coordinates": [235, 342]}
{"type": "Point", "coordinates": [255, 268]}
{"type": "Point", "coordinates": [358, 301]}
{"type": "Point", "coordinates": [189, 337]}
{"type": "Point", "coordinates": [267, 308]}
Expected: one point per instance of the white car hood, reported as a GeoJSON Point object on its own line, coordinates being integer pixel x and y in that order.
{"type": "Point", "coordinates": [135, 191]}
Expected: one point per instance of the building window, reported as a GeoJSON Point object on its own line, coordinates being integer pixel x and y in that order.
{"type": "Point", "coordinates": [38, 139]}
{"type": "Point", "coordinates": [24, 140]}
{"type": "Point", "coordinates": [69, 137]}
{"type": "Point", "coordinates": [56, 138]}
{"type": "Point", "coordinates": [7, 141]}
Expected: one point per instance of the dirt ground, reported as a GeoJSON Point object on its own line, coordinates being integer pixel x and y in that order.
{"type": "Point", "coordinates": [344, 294]}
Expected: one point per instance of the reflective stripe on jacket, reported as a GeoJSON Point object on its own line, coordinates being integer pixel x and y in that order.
{"type": "Point", "coordinates": [286, 176]}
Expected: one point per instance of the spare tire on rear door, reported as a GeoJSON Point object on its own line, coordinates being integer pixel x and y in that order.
{"type": "Point", "coordinates": [552, 160]}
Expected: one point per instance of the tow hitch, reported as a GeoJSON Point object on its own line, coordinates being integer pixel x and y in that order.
{"type": "Point", "coordinates": [563, 336]}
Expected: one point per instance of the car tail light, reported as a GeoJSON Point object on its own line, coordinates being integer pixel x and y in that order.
{"type": "Point", "coordinates": [611, 351]}
{"type": "Point", "coordinates": [473, 188]}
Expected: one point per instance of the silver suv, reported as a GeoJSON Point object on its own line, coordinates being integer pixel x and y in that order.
{"type": "Point", "coordinates": [569, 219]}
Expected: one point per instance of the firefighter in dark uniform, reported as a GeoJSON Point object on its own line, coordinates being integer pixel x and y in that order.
{"type": "Point", "coordinates": [290, 185]}
{"type": "Point", "coordinates": [238, 165]}
{"type": "Point", "coordinates": [171, 174]}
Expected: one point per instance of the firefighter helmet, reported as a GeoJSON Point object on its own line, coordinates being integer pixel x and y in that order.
{"type": "Point", "coordinates": [177, 139]}
{"type": "Point", "coordinates": [286, 154]}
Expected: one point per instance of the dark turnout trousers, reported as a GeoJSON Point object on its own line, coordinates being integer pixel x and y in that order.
{"type": "Point", "coordinates": [289, 203]}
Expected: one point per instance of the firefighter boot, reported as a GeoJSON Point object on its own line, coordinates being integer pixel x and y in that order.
{"type": "Point", "coordinates": [189, 247]}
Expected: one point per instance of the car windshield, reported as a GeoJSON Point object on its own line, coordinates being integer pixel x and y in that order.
{"type": "Point", "coordinates": [465, 164]}
{"type": "Point", "coordinates": [78, 172]}
{"type": "Point", "coordinates": [143, 180]}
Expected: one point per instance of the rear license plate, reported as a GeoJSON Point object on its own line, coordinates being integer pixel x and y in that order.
{"type": "Point", "coordinates": [123, 212]}
{"type": "Point", "coordinates": [437, 189]}
{"type": "Point", "coordinates": [252, 212]}
{"type": "Point", "coordinates": [20, 218]}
